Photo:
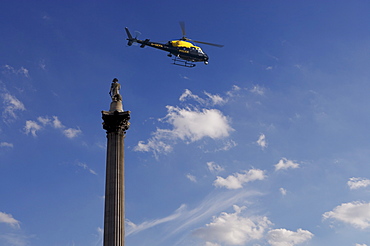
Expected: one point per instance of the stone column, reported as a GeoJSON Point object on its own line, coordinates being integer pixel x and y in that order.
{"type": "Point", "coordinates": [116, 122]}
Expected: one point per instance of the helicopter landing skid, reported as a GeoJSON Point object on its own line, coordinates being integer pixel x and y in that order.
{"type": "Point", "coordinates": [184, 63]}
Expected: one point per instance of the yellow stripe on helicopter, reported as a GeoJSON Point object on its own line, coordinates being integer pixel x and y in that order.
{"type": "Point", "coordinates": [185, 44]}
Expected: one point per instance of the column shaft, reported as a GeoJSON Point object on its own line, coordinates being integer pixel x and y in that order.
{"type": "Point", "coordinates": [115, 123]}
{"type": "Point", "coordinates": [114, 219]}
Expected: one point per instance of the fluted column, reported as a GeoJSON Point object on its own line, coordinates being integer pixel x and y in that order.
{"type": "Point", "coordinates": [115, 123]}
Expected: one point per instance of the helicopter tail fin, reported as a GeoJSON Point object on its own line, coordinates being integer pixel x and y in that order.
{"type": "Point", "coordinates": [130, 38]}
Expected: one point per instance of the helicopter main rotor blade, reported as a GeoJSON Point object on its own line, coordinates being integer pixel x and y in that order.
{"type": "Point", "coordinates": [200, 42]}
{"type": "Point", "coordinates": [182, 25]}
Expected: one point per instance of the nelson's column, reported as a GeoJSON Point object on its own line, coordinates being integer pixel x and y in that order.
{"type": "Point", "coordinates": [115, 123]}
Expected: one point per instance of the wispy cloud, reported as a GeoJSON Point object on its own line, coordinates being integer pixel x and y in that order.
{"type": "Point", "coordinates": [283, 191]}
{"type": "Point", "coordinates": [215, 99]}
{"type": "Point", "coordinates": [13, 239]}
{"type": "Point", "coordinates": [6, 144]}
{"type": "Point", "coordinates": [210, 100]}
{"type": "Point", "coordinates": [234, 91]}
{"type": "Point", "coordinates": [42, 64]}
{"type": "Point", "coordinates": [11, 105]}
{"type": "Point", "coordinates": [258, 90]}
{"type": "Point", "coordinates": [100, 235]}
{"type": "Point", "coordinates": [262, 141]}
{"type": "Point", "coordinates": [192, 178]}
{"type": "Point", "coordinates": [133, 228]}
{"type": "Point", "coordinates": [356, 183]}
{"type": "Point", "coordinates": [86, 167]}
{"type": "Point", "coordinates": [284, 163]}
{"type": "Point", "coordinates": [212, 244]}
{"type": "Point", "coordinates": [237, 180]}
{"type": "Point", "coordinates": [214, 168]}
{"type": "Point", "coordinates": [21, 71]}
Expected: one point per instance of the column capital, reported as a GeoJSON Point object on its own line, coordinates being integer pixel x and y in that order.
{"type": "Point", "coordinates": [116, 121]}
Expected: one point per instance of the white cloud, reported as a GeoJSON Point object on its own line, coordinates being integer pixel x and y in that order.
{"type": "Point", "coordinates": [258, 90]}
{"type": "Point", "coordinates": [188, 94]}
{"type": "Point", "coordinates": [42, 64]}
{"type": "Point", "coordinates": [44, 120]}
{"type": "Point", "coordinates": [357, 244]}
{"type": "Point", "coordinates": [71, 133]}
{"type": "Point", "coordinates": [285, 164]}
{"type": "Point", "coordinates": [184, 77]}
{"type": "Point", "coordinates": [188, 125]}
{"type": "Point", "coordinates": [86, 167]}
{"type": "Point", "coordinates": [22, 71]}
{"type": "Point", "coordinates": [232, 92]}
{"type": "Point", "coordinates": [283, 191]}
{"type": "Point", "coordinates": [183, 219]}
{"type": "Point", "coordinates": [14, 239]}
{"type": "Point", "coordinates": [154, 144]}
{"type": "Point", "coordinates": [356, 183]}
{"type": "Point", "coordinates": [216, 99]}
{"type": "Point", "coordinates": [211, 100]}
{"type": "Point", "coordinates": [6, 144]}
{"type": "Point", "coordinates": [192, 178]}
{"type": "Point", "coordinates": [214, 168]}
{"type": "Point", "coordinates": [211, 244]}
{"type": "Point", "coordinates": [133, 228]}
{"type": "Point", "coordinates": [237, 180]}
{"type": "Point", "coordinates": [57, 123]}
{"type": "Point", "coordinates": [32, 127]}
{"type": "Point", "coordinates": [233, 228]}
{"type": "Point", "coordinates": [8, 219]}
{"type": "Point", "coordinates": [356, 214]}
{"type": "Point", "coordinates": [262, 141]}
{"type": "Point", "coordinates": [195, 125]}
{"type": "Point", "coordinates": [11, 104]}
{"type": "Point", "coordinates": [226, 145]}
{"type": "Point", "coordinates": [99, 235]}
{"type": "Point", "coordinates": [283, 237]}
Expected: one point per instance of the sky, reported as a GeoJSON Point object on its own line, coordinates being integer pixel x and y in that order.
{"type": "Point", "coordinates": [267, 145]}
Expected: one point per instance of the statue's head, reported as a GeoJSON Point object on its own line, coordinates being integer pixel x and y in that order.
{"type": "Point", "coordinates": [115, 80]}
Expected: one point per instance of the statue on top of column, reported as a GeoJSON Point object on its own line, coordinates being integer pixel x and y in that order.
{"type": "Point", "coordinates": [114, 91]}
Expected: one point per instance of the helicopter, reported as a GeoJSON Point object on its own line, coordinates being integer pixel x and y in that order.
{"type": "Point", "coordinates": [184, 51]}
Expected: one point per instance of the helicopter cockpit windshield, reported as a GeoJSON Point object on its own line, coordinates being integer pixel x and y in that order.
{"type": "Point", "coordinates": [198, 49]}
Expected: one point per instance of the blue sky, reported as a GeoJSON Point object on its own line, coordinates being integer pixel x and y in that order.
{"type": "Point", "coordinates": [266, 146]}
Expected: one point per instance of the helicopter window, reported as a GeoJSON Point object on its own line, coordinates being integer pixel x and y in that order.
{"type": "Point", "coordinates": [200, 50]}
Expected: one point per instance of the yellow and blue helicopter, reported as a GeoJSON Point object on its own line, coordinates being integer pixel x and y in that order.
{"type": "Point", "coordinates": [184, 51]}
